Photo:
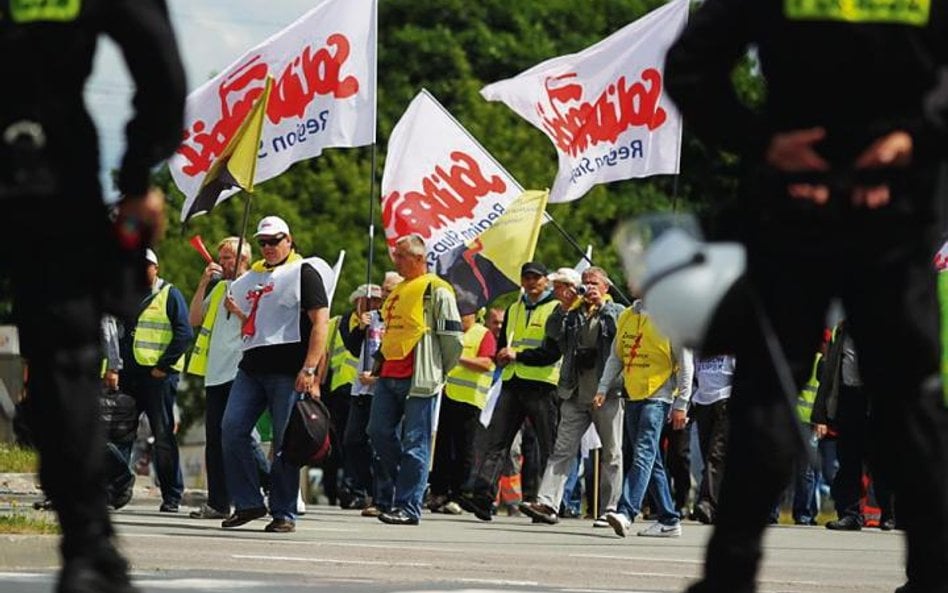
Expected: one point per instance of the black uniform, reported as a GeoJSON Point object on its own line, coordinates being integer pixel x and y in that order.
{"type": "Point", "coordinates": [859, 74]}
{"type": "Point", "coordinates": [57, 246]}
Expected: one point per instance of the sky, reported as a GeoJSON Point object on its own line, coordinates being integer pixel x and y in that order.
{"type": "Point", "coordinates": [211, 35]}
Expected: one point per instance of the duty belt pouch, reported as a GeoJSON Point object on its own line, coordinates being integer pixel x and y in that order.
{"type": "Point", "coordinates": [585, 358]}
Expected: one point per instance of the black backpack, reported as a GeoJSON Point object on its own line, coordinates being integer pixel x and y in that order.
{"type": "Point", "coordinates": [306, 439]}
{"type": "Point", "coordinates": [120, 416]}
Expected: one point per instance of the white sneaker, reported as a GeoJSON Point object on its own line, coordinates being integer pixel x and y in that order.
{"type": "Point", "coordinates": [602, 521]}
{"type": "Point", "coordinates": [660, 530]}
{"type": "Point", "coordinates": [300, 505]}
{"type": "Point", "coordinates": [619, 523]}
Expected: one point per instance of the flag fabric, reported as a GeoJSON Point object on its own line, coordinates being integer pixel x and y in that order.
{"type": "Point", "coordinates": [324, 95]}
{"type": "Point", "coordinates": [237, 164]}
{"type": "Point", "coordinates": [489, 265]}
{"type": "Point", "coordinates": [583, 264]}
{"type": "Point", "coordinates": [605, 108]}
{"type": "Point", "coordinates": [439, 182]}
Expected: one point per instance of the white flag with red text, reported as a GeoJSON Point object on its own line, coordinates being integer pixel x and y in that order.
{"type": "Point", "coordinates": [324, 70]}
{"type": "Point", "coordinates": [605, 107]}
{"type": "Point", "coordinates": [439, 181]}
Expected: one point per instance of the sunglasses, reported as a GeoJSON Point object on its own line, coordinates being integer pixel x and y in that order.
{"type": "Point", "coordinates": [271, 242]}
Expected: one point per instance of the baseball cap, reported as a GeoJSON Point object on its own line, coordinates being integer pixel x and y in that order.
{"type": "Point", "coordinates": [374, 291]}
{"type": "Point", "coordinates": [151, 256]}
{"type": "Point", "coordinates": [272, 225]}
{"type": "Point", "coordinates": [566, 276]}
{"type": "Point", "coordinates": [533, 267]}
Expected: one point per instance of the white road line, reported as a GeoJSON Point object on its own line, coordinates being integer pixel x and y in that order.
{"type": "Point", "coordinates": [330, 561]}
{"type": "Point", "coordinates": [22, 576]}
{"type": "Point", "coordinates": [498, 582]}
{"type": "Point", "coordinates": [231, 539]}
{"type": "Point", "coordinates": [200, 584]}
{"type": "Point", "coordinates": [637, 558]}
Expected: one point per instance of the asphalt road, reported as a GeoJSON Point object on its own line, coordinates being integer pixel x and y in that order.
{"type": "Point", "coordinates": [335, 550]}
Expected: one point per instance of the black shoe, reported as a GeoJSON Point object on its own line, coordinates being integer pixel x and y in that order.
{"type": "Point", "coordinates": [280, 526]}
{"type": "Point", "coordinates": [241, 516]}
{"type": "Point", "coordinates": [702, 514]}
{"type": "Point", "coordinates": [398, 517]}
{"type": "Point", "coordinates": [480, 505]}
{"type": "Point", "coordinates": [103, 571]}
{"type": "Point", "coordinates": [168, 507]}
{"type": "Point", "coordinates": [569, 513]}
{"type": "Point", "coordinates": [540, 513]}
{"type": "Point", "coordinates": [847, 523]}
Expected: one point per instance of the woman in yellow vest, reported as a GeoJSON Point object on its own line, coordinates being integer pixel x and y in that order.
{"type": "Point", "coordinates": [465, 395]}
{"type": "Point", "coordinates": [657, 378]}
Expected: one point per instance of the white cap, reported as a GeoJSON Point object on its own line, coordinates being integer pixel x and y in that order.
{"type": "Point", "coordinates": [566, 276]}
{"type": "Point", "coordinates": [151, 256]}
{"type": "Point", "coordinates": [375, 292]}
{"type": "Point", "coordinates": [271, 226]}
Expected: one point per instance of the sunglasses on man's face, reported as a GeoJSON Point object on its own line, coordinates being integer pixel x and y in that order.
{"type": "Point", "coordinates": [271, 242]}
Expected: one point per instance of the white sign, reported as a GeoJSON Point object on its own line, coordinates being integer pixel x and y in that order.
{"type": "Point", "coordinates": [324, 70]}
{"type": "Point", "coordinates": [605, 107]}
{"type": "Point", "coordinates": [9, 340]}
{"type": "Point", "coordinates": [439, 181]}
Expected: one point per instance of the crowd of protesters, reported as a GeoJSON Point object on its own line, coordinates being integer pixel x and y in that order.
{"type": "Point", "coordinates": [441, 406]}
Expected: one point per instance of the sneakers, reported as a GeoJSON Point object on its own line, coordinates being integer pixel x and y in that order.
{"type": "Point", "coordinates": [602, 521]}
{"type": "Point", "coordinates": [398, 517]}
{"type": "Point", "coordinates": [168, 507]}
{"type": "Point", "coordinates": [371, 511]}
{"type": "Point", "coordinates": [452, 508]}
{"type": "Point", "coordinates": [241, 516]}
{"type": "Point", "coordinates": [280, 526]}
{"type": "Point", "coordinates": [539, 512]}
{"type": "Point", "coordinates": [207, 512]}
{"type": "Point", "coordinates": [661, 530]}
{"type": "Point", "coordinates": [619, 523]}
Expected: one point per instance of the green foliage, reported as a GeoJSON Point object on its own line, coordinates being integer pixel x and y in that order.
{"type": "Point", "coordinates": [17, 460]}
{"type": "Point", "coordinates": [28, 522]}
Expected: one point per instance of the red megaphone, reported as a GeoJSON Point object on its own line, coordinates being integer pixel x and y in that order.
{"type": "Point", "coordinates": [198, 245]}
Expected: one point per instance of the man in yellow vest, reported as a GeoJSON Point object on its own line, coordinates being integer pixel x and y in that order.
{"type": "Point", "coordinates": [153, 355]}
{"type": "Point", "coordinates": [531, 371]}
{"type": "Point", "coordinates": [465, 395]}
{"type": "Point", "coordinates": [283, 298]}
{"type": "Point", "coordinates": [214, 357]}
{"type": "Point", "coordinates": [657, 377]}
{"type": "Point", "coordinates": [421, 344]}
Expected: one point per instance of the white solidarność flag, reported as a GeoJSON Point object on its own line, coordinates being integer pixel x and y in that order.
{"type": "Point", "coordinates": [605, 107]}
{"type": "Point", "coordinates": [439, 181]}
{"type": "Point", "coordinates": [324, 68]}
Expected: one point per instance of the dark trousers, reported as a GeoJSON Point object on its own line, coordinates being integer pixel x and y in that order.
{"type": "Point", "coordinates": [519, 400]}
{"type": "Point", "coordinates": [852, 442]}
{"type": "Point", "coordinates": [357, 460]}
{"type": "Point", "coordinates": [458, 424]}
{"type": "Point", "coordinates": [155, 397]}
{"type": "Point", "coordinates": [881, 268]}
{"type": "Point", "coordinates": [338, 404]}
{"type": "Point", "coordinates": [712, 437]}
{"type": "Point", "coordinates": [57, 307]}
{"type": "Point", "coordinates": [678, 463]}
{"type": "Point", "coordinates": [218, 498]}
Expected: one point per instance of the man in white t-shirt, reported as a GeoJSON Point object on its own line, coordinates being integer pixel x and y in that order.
{"type": "Point", "coordinates": [215, 357]}
{"type": "Point", "coordinates": [713, 376]}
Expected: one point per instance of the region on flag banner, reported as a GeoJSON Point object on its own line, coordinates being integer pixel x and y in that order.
{"type": "Point", "coordinates": [605, 108]}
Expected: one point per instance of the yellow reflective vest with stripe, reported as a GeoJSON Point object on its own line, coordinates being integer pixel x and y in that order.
{"type": "Point", "coordinates": [808, 393]}
{"type": "Point", "coordinates": [153, 333]}
{"type": "Point", "coordinates": [466, 385]}
{"type": "Point", "coordinates": [344, 366]}
{"type": "Point", "coordinates": [197, 364]}
{"type": "Point", "coordinates": [524, 334]}
{"type": "Point", "coordinates": [646, 354]}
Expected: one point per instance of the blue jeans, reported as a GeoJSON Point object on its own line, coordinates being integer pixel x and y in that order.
{"type": "Point", "coordinates": [249, 396]}
{"type": "Point", "coordinates": [573, 490]}
{"type": "Point", "coordinates": [400, 432]}
{"type": "Point", "coordinates": [643, 428]}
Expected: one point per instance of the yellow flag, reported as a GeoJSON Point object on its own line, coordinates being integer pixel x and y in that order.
{"type": "Point", "coordinates": [236, 166]}
{"type": "Point", "coordinates": [512, 240]}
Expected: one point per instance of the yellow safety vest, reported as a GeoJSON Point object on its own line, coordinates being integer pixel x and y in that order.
{"type": "Point", "coordinates": [524, 335]}
{"type": "Point", "coordinates": [197, 364]}
{"type": "Point", "coordinates": [153, 333]}
{"type": "Point", "coordinates": [463, 384]}
{"type": "Point", "coordinates": [808, 393]}
{"type": "Point", "coordinates": [404, 316]}
{"type": "Point", "coordinates": [344, 366]}
{"type": "Point", "coordinates": [645, 353]}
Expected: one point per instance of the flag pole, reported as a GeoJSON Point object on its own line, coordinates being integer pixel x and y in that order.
{"type": "Point", "coordinates": [240, 237]}
{"type": "Point", "coordinates": [582, 252]}
{"type": "Point", "coordinates": [371, 255]}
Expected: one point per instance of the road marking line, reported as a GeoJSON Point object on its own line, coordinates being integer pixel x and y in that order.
{"type": "Point", "coordinates": [500, 582]}
{"type": "Point", "coordinates": [200, 584]}
{"type": "Point", "coordinates": [637, 558]}
{"type": "Point", "coordinates": [329, 560]}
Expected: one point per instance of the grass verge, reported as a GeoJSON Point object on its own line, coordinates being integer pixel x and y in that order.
{"type": "Point", "coordinates": [29, 523]}
{"type": "Point", "coordinates": [16, 460]}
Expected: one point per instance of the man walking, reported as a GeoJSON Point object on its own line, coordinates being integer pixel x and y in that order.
{"type": "Point", "coordinates": [215, 357]}
{"type": "Point", "coordinates": [283, 305]}
{"type": "Point", "coordinates": [421, 344]}
{"type": "Point", "coordinates": [153, 351]}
